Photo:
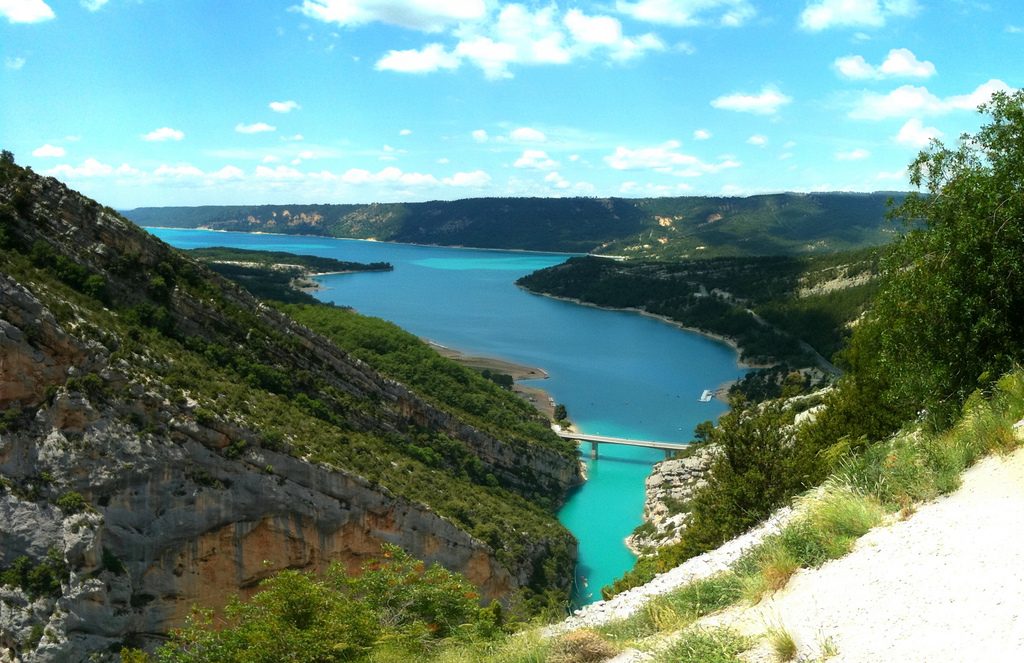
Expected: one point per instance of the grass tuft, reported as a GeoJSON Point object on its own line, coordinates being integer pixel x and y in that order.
{"type": "Point", "coordinates": [828, 648]}
{"type": "Point", "coordinates": [774, 565]}
{"type": "Point", "coordinates": [581, 646]}
{"type": "Point", "coordinates": [706, 646]}
{"type": "Point", "coordinates": [782, 643]}
{"type": "Point", "coordinates": [678, 608]}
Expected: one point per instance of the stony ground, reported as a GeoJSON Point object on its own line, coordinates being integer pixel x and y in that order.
{"type": "Point", "coordinates": [946, 584]}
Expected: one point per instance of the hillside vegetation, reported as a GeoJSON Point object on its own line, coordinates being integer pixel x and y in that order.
{"type": "Point", "coordinates": [664, 228]}
{"type": "Point", "coordinates": [779, 310]}
{"type": "Point", "coordinates": [151, 401]}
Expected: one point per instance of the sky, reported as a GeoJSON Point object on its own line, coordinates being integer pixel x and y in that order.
{"type": "Point", "coordinates": [194, 102]}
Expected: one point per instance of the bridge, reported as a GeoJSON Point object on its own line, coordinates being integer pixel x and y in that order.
{"type": "Point", "coordinates": [668, 447]}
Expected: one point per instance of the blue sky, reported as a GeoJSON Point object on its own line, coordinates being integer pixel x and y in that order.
{"type": "Point", "coordinates": [188, 102]}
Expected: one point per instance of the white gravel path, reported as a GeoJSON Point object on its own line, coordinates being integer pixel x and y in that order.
{"type": "Point", "coordinates": [947, 584]}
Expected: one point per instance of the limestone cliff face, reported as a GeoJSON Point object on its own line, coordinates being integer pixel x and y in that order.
{"type": "Point", "coordinates": [145, 506]}
{"type": "Point", "coordinates": [188, 526]}
{"type": "Point", "coordinates": [671, 484]}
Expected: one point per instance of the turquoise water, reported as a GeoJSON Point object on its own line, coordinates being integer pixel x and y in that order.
{"type": "Point", "coordinates": [617, 373]}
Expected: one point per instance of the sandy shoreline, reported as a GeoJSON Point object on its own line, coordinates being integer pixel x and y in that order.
{"type": "Point", "coordinates": [536, 396]}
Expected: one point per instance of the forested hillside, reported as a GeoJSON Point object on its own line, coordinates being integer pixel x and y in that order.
{"type": "Point", "coordinates": [664, 228]}
{"type": "Point", "coordinates": [781, 309]}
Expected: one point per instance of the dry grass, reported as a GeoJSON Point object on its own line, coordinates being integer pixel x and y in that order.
{"type": "Point", "coordinates": [581, 646]}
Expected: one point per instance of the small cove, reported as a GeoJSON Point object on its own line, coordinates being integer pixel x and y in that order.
{"type": "Point", "coordinates": [618, 373]}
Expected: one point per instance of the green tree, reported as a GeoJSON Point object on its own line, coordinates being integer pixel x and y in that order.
{"type": "Point", "coordinates": [950, 317]}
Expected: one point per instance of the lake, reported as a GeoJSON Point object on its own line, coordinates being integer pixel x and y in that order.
{"type": "Point", "coordinates": [618, 373]}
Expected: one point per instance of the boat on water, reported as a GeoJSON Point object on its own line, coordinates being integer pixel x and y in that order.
{"type": "Point", "coordinates": [706, 396]}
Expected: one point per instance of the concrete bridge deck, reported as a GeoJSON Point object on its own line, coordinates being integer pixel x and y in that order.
{"type": "Point", "coordinates": [595, 440]}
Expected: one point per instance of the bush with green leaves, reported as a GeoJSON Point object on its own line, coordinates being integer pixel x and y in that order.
{"type": "Point", "coordinates": [397, 604]}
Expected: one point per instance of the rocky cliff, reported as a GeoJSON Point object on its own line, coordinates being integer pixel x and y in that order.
{"type": "Point", "coordinates": [667, 490]}
{"type": "Point", "coordinates": [168, 440]}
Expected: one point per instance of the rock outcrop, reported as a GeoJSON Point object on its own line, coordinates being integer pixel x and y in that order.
{"type": "Point", "coordinates": [671, 484]}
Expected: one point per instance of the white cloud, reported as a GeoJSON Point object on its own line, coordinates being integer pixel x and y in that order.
{"type": "Point", "coordinates": [825, 14]}
{"type": "Point", "coordinates": [766, 102]}
{"type": "Point", "coordinates": [405, 132]}
{"type": "Point", "coordinates": [258, 127]}
{"type": "Point", "coordinates": [593, 29]}
{"type": "Point", "coordinates": [476, 179]}
{"type": "Point", "coordinates": [94, 5]}
{"type": "Point", "coordinates": [527, 135]}
{"type": "Point", "coordinates": [730, 13]}
{"type": "Point", "coordinates": [856, 154]}
{"type": "Point", "coordinates": [701, 134]}
{"type": "Point", "coordinates": [48, 151]}
{"type": "Point", "coordinates": [480, 136]}
{"type": "Point", "coordinates": [538, 159]}
{"type": "Point", "coordinates": [1014, 29]}
{"type": "Point", "coordinates": [915, 134]}
{"type": "Point", "coordinates": [759, 140]}
{"type": "Point", "coordinates": [178, 171]}
{"type": "Point", "coordinates": [557, 181]}
{"type": "Point", "coordinates": [909, 100]}
{"type": "Point", "coordinates": [228, 173]}
{"type": "Point", "coordinates": [900, 63]}
{"type": "Point", "coordinates": [14, 63]}
{"type": "Point", "coordinates": [590, 32]}
{"type": "Point", "coordinates": [89, 168]}
{"type": "Point", "coordinates": [389, 175]}
{"type": "Point", "coordinates": [162, 134]}
{"type": "Point", "coordinates": [430, 58]}
{"type": "Point", "coordinates": [664, 158]}
{"type": "Point", "coordinates": [424, 15]}
{"type": "Point", "coordinates": [519, 35]}
{"type": "Point", "coordinates": [855, 67]}
{"type": "Point", "coordinates": [25, 11]}
{"type": "Point", "coordinates": [296, 137]}
{"type": "Point", "coordinates": [284, 106]}
{"type": "Point", "coordinates": [270, 158]}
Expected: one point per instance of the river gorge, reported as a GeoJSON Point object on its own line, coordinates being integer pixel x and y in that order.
{"type": "Point", "coordinates": [618, 373]}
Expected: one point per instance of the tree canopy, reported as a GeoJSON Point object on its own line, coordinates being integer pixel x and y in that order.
{"type": "Point", "coordinates": [950, 317]}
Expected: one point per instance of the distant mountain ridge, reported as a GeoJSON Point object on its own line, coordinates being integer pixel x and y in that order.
{"type": "Point", "coordinates": [664, 228]}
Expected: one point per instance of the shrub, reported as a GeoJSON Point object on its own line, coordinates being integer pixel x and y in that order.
{"type": "Point", "coordinates": [581, 647]}
{"type": "Point", "coordinates": [397, 603]}
{"type": "Point", "coordinates": [71, 502]}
